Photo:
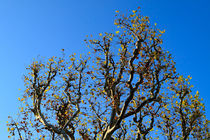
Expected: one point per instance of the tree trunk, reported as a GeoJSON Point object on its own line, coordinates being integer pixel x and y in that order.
{"type": "Point", "coordinates": [65, 137]}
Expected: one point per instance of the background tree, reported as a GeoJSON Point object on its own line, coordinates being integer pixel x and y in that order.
{"type": "Point", "coordinates": [123, 94]}
{"type": "Point", "coordinates": [183, 114]}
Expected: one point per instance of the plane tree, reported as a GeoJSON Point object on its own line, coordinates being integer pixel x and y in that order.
{"type": "Point", "coordinates": [126, 87]}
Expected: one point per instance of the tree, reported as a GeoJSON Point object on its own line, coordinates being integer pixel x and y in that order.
{"type": "Point", "coordinates": [184, 118]}
{"type": "Point", "coordinates": [130, 91]}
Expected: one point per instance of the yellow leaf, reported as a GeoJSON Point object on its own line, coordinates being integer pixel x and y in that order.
{"type": "Point", "coordinates": [180, 79]}
{"type": "Point", "coordinates": [57, 97]}
{"type": "Point", "coordinates": [134, 103]}
{"type": "Point", "coordinates": [72, 59]}
{"type": "Point", "coordinates": [117, 11]}
{"type": "Point", "coordinates": [162, 31]}
{"type": "Point", "coordinates": [51, 59]}
{"type": "Point", "coordinates": [192, 106]}
{"type": "Point", "coordinates": [134, 11]}
{"type": "Point", "coordinates": [117, 32]}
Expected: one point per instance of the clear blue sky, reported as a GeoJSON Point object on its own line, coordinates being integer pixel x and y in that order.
{"type": "Point", "coordinates": [29, 28]}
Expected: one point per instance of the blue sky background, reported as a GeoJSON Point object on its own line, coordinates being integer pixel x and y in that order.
{"type": "Point", "coordinates": [29, 28]}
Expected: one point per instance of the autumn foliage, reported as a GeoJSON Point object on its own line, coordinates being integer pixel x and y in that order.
{"type": "Point", "coordinates": [126, 87]}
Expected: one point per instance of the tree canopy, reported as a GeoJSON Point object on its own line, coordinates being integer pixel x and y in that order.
{"type": "Point", "coordinates": [126, 87]}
